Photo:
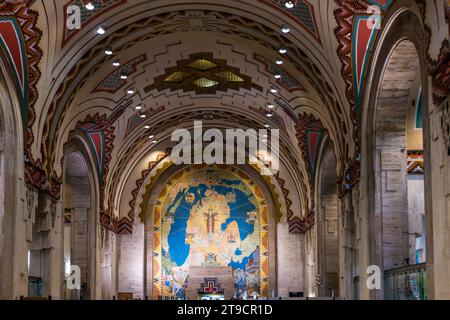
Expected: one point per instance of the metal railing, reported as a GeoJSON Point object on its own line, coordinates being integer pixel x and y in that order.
{"type": "Point", "coordinates": [406, 283]}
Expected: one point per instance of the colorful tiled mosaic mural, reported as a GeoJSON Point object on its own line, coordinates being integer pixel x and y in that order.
{"type": "Point", "coordinates": [210, 217]}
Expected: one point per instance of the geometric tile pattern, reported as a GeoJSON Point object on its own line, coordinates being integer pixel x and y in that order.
{"type": "Point", "coordinates": [303, 12]}
{"type": "Point", "coordinates": [19, 16]}
{"type": "Point", "coordinates": [113, 82]}
{"type": "Point", "coordinates": [14, 48]}
{"type": "Point", "coordinates": [87, 16]}
{"type": "Point", "coordinates": [203, 74]}
{"type": "Point", "coordinates": [415, 162]}
{"type": "Point", "coordinates": [136, 120]}
{"type": "Point", "coordinates": [362, 43]}
{"type": "Point", "coordinates": [310, 134]}
{"type": "Point", "coordinates": [211, 285]}
{"type": "Point", "coordinates": [286, 80]}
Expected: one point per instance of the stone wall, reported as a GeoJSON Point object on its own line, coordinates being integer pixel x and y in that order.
{"type": "Point", "coordinates": [438, 206]}
{"type": "Point", "coordinates": [331, 279]}
{"type": "Point", "coordinates": [131, 262]}
{"type": "Point", "coordinates": [290, 260]}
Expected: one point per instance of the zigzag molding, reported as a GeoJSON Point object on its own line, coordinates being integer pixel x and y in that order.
{"type": "Point", "coordinates": [27, 19]}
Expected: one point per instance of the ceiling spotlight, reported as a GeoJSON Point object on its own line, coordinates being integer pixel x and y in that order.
{"type": "Point", "coordinates": [116, 63]}
{"type": "Point", "coordinates": [109, 51]}
{"type": "Point", "coordinates": [273, 90]}
{"type": "Point", "coordinates": [101, 30]}
{"type": "Point", "coordinates": [267, 126]}
{"type": "Point", "coordinates": [151, 137]}
{"type": "Point", "coordinates": [285, 29]}
{"type": "Point", "coordinates": [89, 6]}
{"type": "Point", "coordinates": [269, 115]}
{"type": "Point", "coordinates": [154, 141]}
{"type": "Point", "coordinates": [138, 107]}
{"type": "Point", "coordinates": [289, 4]}
{"type": "Point", "coordinates": [147, 127]}
{"type": "Point", "coordinates": [277, 76]}
{"type": "Point", "coordinates": [130, 91]}
{"type": "Point", "coordinates": [143, 116]}
{"type": "Point", "coordinates": [124, 77]}
{"type": "Point", "coordinates": [270, 106]}
{"type": "Point", "coordinates": [283, 50]}
{"type": "Point", "coordinates": [279, 62]}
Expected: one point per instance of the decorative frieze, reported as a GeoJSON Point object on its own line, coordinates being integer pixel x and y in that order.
{"type": "Point", "coordinates": [415, 162]}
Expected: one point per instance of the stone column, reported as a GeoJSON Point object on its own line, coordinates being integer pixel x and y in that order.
{"type": "Point", "coordinates": [348, 244]}
{"type": "Point", "coordinates": [437, 193]}
{"type": "Point", "coordinates": [48, 240]}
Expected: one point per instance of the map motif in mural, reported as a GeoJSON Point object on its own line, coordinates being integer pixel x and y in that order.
{"type": "Point", "coordinates": [210, 218]}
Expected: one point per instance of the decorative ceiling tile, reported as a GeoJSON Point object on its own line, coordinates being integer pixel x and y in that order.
{"type": "Point", "coordinates": [203, 74]}
{"type": "Point", "coordinates": [287, 80]}
{"type": "Point", "coordinates": [100, 8]}
{"type": "Point", "coordinates": [205, 83]}
{"type": "Point", "coordinates": [136, 120]}
{"type": "Point", "coordinates": [303, 12]}
{"type": "Point", "coordinates": [112, 83]}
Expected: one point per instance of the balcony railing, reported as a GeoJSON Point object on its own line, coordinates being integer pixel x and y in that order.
{"type": "Point", "coordinates": [406, 283]}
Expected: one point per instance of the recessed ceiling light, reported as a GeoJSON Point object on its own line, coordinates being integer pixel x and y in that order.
{"type": "Point", "coordinates": [109, 51]}
{"type": "Point", "coordinates": [277, 76]}
{"type": "Point", "coordinates": [267, 126]}
{"type": "Point", "coordinates": [124, 77]}
{"type": "Point", "coordinates": [283, 50]}
{"type": "Point", "coordinates": [270, 106]}
{"type": "Point", "coordinates": [279, 62]}
{"type": "Point", "coordinates": [154, 141]}
{"type": "Point", "coordinates": [264, 141]}
{"type": "Point", "coordinates": [151, 137]}
{"type": "Point", "coordinates": [130, 91]}
{"type": "Point", "coordinates": [285, 29]}
{"type": "Point", "coordinates": [143, 116]}
{"type": "Point", "coordinates": [147, 127]}
{"type": "Point", "coordinates": [138, 107]}
{"type": "Point", "coordinates": [273, 90]}
{"type": "Point", "coordinates": [101, 30]}
{"type": "Point", "coordinates": [89, 6]}
{"type": "Point", "coordinates": [116, 63]}
{"type": "Point", "coordinates": [289, 4]}
{"type": "Point", "coordinates": [270, 115]}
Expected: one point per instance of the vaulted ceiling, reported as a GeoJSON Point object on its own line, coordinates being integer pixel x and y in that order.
{"type": "Point", "coordinates": [160, 65]}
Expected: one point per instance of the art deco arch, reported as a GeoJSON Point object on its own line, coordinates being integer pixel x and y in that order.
{"type": "Point", "coordinates": [80, 161]}
{"type": "Point", "coordinates": [153, 206]}
{"type": "Point", "coordinates": [11, 176]}
{"type": "Point", "coordinates": [327, 227]}
{"type": "Point", "coordinates": [77, 68]}
{"type": "Point", "coordinates": [414, 47]}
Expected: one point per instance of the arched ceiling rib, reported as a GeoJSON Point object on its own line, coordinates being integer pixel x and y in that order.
{"type": "Point", "coordinates": [310, 63]}
{"type": "Point", "coordinates": [153, 40]}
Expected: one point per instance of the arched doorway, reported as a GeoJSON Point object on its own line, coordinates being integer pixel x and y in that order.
{"type": "Point", "coordinates": [327, 222]}
{"type": "Point", "coordinates": [12, 283]}
{"type": "Point", "coordinates": [400, 192]}
{"type": "Point", "coordinates": [210, 225]}
{"type": "Point", "coordinates": [79, 231]}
